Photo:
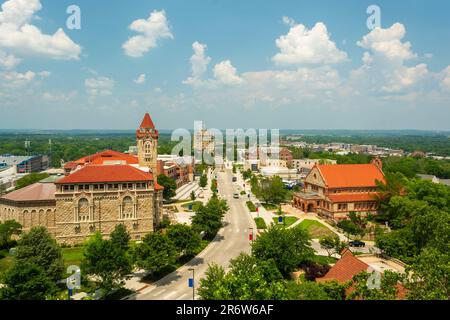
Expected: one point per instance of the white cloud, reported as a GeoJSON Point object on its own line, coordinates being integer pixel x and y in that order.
{"type": "Point", "coordinates": [307, 46]}
{"type": "Point", "coordinates": [19, 36]}
{"type": "Point", "coordinates": [288, 21]}
{"type": "Point", "coordinates": [8, 61]}
{"type": "Point", "coordinates": [100, 86]}
{"type": "Point", "coordinates": [15, 80]}
{"type": "Point", "coordinates": [154, 28]}
{"type": "Point", "coordinates": [388, 43]}
{"type": "Point", "coordinates": [59, 97]}
{"type": "Point", "coordinates": [199, 63]}
{"type": "Point", "coordinates": [140, 79]}
{"type": "Point", "coordinates": [445, 83]}
{"type": "Point", "coordinates": [225, 73]}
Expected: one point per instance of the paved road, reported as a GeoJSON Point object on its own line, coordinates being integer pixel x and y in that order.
{"type": "Point", "coordinates": [231, 240]}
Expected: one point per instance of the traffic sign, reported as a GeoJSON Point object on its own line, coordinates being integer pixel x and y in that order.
{"type": "Point", "coordinates": [280, 219]}
{"type": "Point", "coordinates": [191, 283]}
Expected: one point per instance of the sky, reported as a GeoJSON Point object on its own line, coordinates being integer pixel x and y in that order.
{"type": "Point", "coordinates": [233, 64]}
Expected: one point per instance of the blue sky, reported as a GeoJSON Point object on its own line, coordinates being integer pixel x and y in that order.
{"type": "Point", "coordinates": [263, 64]}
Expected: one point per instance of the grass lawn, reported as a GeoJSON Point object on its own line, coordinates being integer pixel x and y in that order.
{"type": "Point", "coordinates": [5, 263]}
{"type": "Point", "coordinates": [251, 206]}
{"type": "Point", "coordinates": [260, 223]}
{"type": "Point", "coordinates": [195, 205]}
{"type": "Point", "coordinates": [323, 259]}
{"type": "Point", "coordinates": [72, 256]}
{"type": "Point", "coordinates": [270, 206]}
{"type": "Point", "coordinates": [315, 229]}
{"type": "Point", "coordinates": [287, 221]}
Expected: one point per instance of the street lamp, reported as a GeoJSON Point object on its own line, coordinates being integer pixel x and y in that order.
{"type": "Point", "coordinates": [191, 282]}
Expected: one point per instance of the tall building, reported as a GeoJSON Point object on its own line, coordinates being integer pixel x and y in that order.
{"type": "Point", "coordinates": [147, 144]}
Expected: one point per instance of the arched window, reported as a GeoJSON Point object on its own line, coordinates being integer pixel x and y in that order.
{"type": "Point", "coordinates": [148, 151]}
{"type": "Point", "coordinates": [127, 208]}
{"type": "Point", "coordinates": [83, 210]}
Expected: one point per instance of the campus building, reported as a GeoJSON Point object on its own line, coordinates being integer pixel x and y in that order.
{"type": "Point", "coordinates": [333, 191]}
{"type": "Point", "coordinates": [97, 193]}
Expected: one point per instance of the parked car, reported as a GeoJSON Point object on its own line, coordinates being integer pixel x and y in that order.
{"type": "Point", "coordinates": [236, 195]}
{"type": "Point", "coordinates": [234, 179]}
{"type": "Point", "coordinates": [357, 243]}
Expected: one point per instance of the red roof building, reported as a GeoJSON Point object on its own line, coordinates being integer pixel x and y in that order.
{"type": "Point", "coordinates": [335, 190]}
{"type": "Point", "coordinates": [105, 157]}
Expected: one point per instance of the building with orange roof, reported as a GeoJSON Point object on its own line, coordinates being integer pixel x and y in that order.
{"type": "Point", "coordinates": [97, 193]}
{"type": "Point", "coordinates": [349, 266]}
{"type": "Point", "coordinates": [333, 191]}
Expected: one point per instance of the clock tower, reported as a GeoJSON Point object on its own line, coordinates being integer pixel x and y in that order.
{"type": "Point", "coordinates": [147, 144]}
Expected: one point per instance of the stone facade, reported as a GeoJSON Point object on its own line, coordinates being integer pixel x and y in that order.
{"type": "Point", "coordinates": [30, 214]}
{"type": "Point", "coordinates": [80, 214]}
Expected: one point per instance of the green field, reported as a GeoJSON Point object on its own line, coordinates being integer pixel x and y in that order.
{"type": "Point", "coordinates": [251, 206]}
{"type": "Point", "coordinates": [288, 221]}
{"type": "Point", "coordinates": [195, 205]}
{"type": "Point", "coordinates": [315, 229]}
{"type": "Point", "coordinates": [5, 263]}
{"type": "Point", "coordinates": [72, 256]}
{"type": "Point", "coordinates": [260, 223]}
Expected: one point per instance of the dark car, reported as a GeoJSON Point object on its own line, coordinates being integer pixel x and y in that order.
{"type": "Point", "coordinates": [357, 243]}
{"type": "Point", "coordinates": [234, 179]}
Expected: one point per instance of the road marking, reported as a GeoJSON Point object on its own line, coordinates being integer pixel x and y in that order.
{"type": "Point", "coordinates": [182, 296]}
{"type": "Point", "coordinates": [169, 295]}
{"type": "Point", "coordinates": [157, 294]}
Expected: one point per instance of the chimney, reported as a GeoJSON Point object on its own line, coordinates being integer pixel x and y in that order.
{"type": "Point", "coordinates": [378, 162]}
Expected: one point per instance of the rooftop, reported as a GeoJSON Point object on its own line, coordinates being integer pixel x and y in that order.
{"type": "Point", "coordinates": [35, 192]}
{"type": "Point", "coordinates": [351, 175]}
{"type": "Point", "coordinates": [108, 173]}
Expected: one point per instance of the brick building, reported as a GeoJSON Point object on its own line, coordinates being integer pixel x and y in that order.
{"type": "Point", "coordinates": [333, 191]}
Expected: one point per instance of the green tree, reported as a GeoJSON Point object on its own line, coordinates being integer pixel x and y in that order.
{"type": "Point", "coordinates": [429, 276]}
{"type": "Point", "coordinates": [307, 290]}
{"type": "Point", "coordinates": [193, 197]}
{"type": "Point", "coordinates": [7, 230]}
{"type": "Point", "coordinates": [185, 239]}
{"type": "Point", "coordinates": [169, 185]}
{"type": "Point", "coordinates": [203, 181]}
{"type": "Point", "coordinates": [247, 174]}
{"type": "Point", "coordinates": [26, 281]}
{"type": "Point", "coordinates": [155, 253]}
{"type": "Point", "coordinates": [120, 237]}
{"type": "Point", "coordinates": [332, 244]}
{"type": "Point", "coordinates": [30, 179]}
{"type": "Point", "coordinates": [287, 247]}
{"type": "Point", "coordinates": [107, 261]}
{"type": "Point", "coordinates": [208, 218]}
{"type": "Point", "coordinates": [248, 278]}
{"type": "Point", "coordinates": [388, 287]}
{"type": "Point", "coordinates": [38, 247]}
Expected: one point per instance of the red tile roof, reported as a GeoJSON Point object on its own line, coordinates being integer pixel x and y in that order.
{"type": "Point", "coordinates": [147, 122]}
{"type": "Point", "coordinates": [352, 197]}
{"type": "Point", "coordinates": [345, 268]}
{"type": "Point", "coordinates": [100, 157]}
{"type": "Point", "coordinates": [35, 192]}
{"type": "Point", "coordinates": [106, 173]}
{"type": "Point", "coordinates": [350, 175]}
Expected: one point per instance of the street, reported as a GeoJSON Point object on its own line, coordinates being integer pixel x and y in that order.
{"type": "Point", "coordinates": [230, 241]}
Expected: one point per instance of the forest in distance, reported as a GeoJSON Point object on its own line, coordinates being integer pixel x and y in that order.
{"type": "Point", "coordinates": [71, 145]}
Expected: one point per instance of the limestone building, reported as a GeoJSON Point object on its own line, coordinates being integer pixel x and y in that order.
{"type": "Point", "coordinates": [97, 193]}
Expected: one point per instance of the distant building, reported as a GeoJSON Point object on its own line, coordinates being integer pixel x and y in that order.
{"type": "Point", "coordinates": [25, 164]}
{"type": "Point", "coordinates": [180, 169]}
{"type": "Point", "coordinates": [333, 191]}
{"type": "Point", "coordinates": [203, 140]}
{"type": "Point", "coordinates": [434, 179]}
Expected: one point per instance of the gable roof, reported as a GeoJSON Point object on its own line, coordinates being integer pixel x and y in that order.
{"type": "Point", "coordinates": [147, 122]}
{"type": "Point", "coordinates": [350, 175]}
{"type": "Point", "coordinates": [352, 197]}
{"type": "Point", "coordinates": [101, 157]}
{"type": "Point", "coordinates": [107, 173]}
{"type": "Point", "coordinates": [34, 192]}
{"type": "Point", "coordinates": [345, 268]}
